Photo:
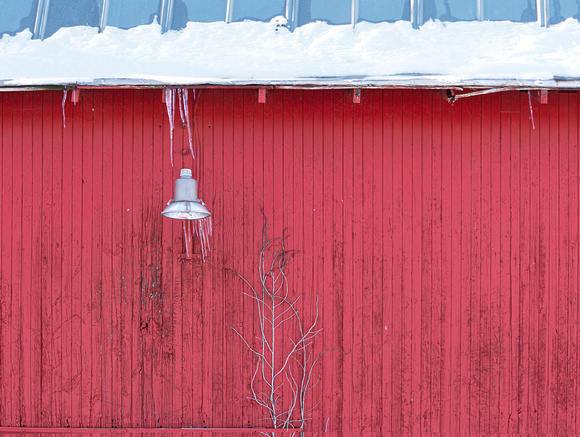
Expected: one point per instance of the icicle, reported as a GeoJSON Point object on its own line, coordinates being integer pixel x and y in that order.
{"type": "Point", "coordinates": [180, 98]}
{"type": "Point", "coordinates": [170, 104]}
{"type": "Point", "coordinates": [203, 229]}
{"type": "Point", "coordinates": [531, 110]}
{"type": "Point", "coordinates": [186, 108]}
{"type": "Point", "coordinates": [63, 114]}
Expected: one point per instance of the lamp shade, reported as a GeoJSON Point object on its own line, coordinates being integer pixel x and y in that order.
{"type": "Point", "coordinates": [185, 205]}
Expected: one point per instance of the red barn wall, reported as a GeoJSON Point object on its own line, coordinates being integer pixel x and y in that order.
{"type": "Point", "coordinates": [442, 241]}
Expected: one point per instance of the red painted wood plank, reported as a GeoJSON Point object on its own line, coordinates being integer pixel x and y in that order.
{"type": "Point", "coordinates": [205, 127]}
{"type": "Point", "coordinates": [78, 293]}
{"type": "Point", "coordinates": [437, 359]}
{"type": "Point", "coordinates": [107, 260]}
{"type": "Point", "coordinates": [357, 267]}
{"type": "Point", "coordinates": [560, 375]}
{"type": "Point", "coordinates": [466, 289]}
{"type": "Point", "coordinates": [36, 304]}
{"type": "Point", "coordinates": [23, 171]}
{"type": "Point", "coordinates": [298, 207]}
{"type": "Point", "coordinates": [535, 267]}
{"type": "Point", "coordinates": [5, 196]}
{"type": "Point", "coordinates": [89, 311]}
{"type": "Point", "coordinates": [348, 293]}
{"type": "Point", "coordinates": [26, 261]}
{"type": "Point", "coordinates": [323, 155]}
{"type": "Point", "coordinates": [525, 289]}
{"type": "Point", "coordinates": [427, 291]}
{"type": "Point", "coordinates": [515, 298]}
{"type": "Point", "coordinates": [254, 116]}
{"type": "Point", "coordinates": [407, 274]}
{"type": "Point", "coordinates": [417, 223]}
{"type": "Point", "coordinates": [154, 229]}
{"type": "Point", "coordinates": [119, 290]}
{"type": "Point", "coordinates": [485, 355]}
{"type": "Point", "coordinates": [56, 256]}
{"type": "Point", "coordinates": [248, 227]}
{"type": "Point", "coordinates": [496, 345]}
{"type": "Point", "coordinates": [68, 380]}
{"type": "Point", "coordinates": [544, 397]}
{"type": "Point", "coordinates": [336, 359]}
{"type": "Point", "coordinates": [455, 270]}
{"type": "Point", "coordinates": [573, 421]}
{"type": "Point", "coordinates": [98, 332]}
{"type": "Point", "coordinates": [141, 149]}
{"type": "Point", "coordinates": [553, 290]}
{"type": "Point", "coordinates": [505, 237]}
{"type": "Point", "coordinates": [386, 267]}
{"type": "Point", "coordinates": [476, 345]}
{"type": "Point", "coordinates": [9, 303]}
{"type": "Point", "coordinates": [46, 242]}
{"type": "Point", "coordinates": [232, 227]}
{"type": "Point", "coordinates": [377, 260]}
{"type": "Point", "coordinates": [282, 195]}
{"type": "Point", "coordinates": [219, 387]}
{"type": "Point", "coordinates": [320, 417]}
{"type": "Point", "coordinates": [446, 283]}
{"type": "Point", "coordinates": [3, 294]}
{"type": "Point", "coordinates": [396, 352]}
{"type": "Point", "coordinates": [364, 311]}
{"type": "Point", "coordinates": [171, 238]}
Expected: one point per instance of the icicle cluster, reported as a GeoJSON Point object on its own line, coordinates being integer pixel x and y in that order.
{"type": "Point", "coordinates": [183, 103]}
{"type": "Point", "coordinates": [200, 228]}
{"type": "Point", "coordinates": [203, 229]}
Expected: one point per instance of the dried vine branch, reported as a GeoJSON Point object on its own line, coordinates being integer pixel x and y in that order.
{"type": "Point", "coordinates": [284, 352]}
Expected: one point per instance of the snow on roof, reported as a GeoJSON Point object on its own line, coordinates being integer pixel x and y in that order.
{"type": "Point", "coordinates": [484, 54]}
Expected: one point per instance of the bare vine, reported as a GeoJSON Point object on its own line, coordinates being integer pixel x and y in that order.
{"type": "Point", "coordinates": [285, 358]}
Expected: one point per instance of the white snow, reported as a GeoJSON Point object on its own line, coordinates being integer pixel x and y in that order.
{"type": "Point", "coordinates": [317, 53]}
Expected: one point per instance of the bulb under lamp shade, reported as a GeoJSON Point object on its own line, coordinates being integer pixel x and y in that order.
{"type": "Point", "coordinates": [185, 205]}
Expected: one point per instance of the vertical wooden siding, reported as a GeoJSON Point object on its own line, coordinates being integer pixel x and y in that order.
{"type": "Point", "coordinates": [442, 241]}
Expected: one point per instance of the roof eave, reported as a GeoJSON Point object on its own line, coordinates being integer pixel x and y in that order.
{"type": "Point", "coordinates": [396, 81]}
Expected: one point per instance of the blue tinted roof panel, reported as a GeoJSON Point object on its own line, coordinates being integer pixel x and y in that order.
{"type": "Point", "coordinates": [331, 11]}
{"type": "Point", "coordinates": [450, 10]}
{"type": "Point", "coordinates": [262, 10]}
{"type": "Point", "coordinates": [16, 16]}
{"type": "Point", "coordinates": [70, 13]}
{"type": "Point", "coordinates": [375, 12]}
{"type": "Point", "coordinates": [197, 10]}
{"type": "Point", "coordinates": [514, 10]}
{"type": "Point", "coordinates": [130, 13]}
{"type": "Point", "coordinates": [562, 9]}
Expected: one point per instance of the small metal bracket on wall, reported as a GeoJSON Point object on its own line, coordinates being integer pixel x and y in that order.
{"type": "Point", "coordinates": [75, 95]}
{"type": "Point", "coordinates": [262, 93]}
{"type": "Point", "coordinates": [356, 95]}
{"type": "Point", "coordinates": [540, 95]}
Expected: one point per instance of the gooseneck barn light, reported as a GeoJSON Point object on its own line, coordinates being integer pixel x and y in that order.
{"type": "Point", "coordinates": [185, 205]}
